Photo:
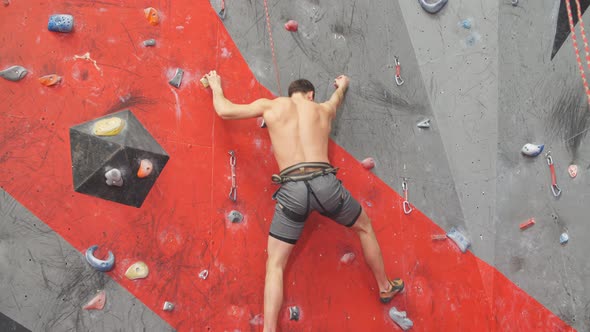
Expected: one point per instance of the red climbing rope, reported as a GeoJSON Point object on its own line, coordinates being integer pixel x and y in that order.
{"type": "Point", "coordinates": [272, 46]}
{"type": "Point", "coordinates": [575, 43]}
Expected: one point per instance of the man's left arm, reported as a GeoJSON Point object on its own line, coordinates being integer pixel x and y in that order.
{"type": "Point", "coordinates": [231, 111]}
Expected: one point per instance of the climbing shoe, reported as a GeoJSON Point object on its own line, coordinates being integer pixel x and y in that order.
{"type": "Point", "coordinates": [397, 285]}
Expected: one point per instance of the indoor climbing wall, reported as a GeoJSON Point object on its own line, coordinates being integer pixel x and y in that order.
{"type": "Point", "coordinates": [204, 240]}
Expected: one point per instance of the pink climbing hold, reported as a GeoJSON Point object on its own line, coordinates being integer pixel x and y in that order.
{"type": "Point", "coordinates": [292, 26]}
{"type": "Point", "coordinates": [572, 170]}
{"type": "Point", "coordinates": [97, 302]}
{"type": "Point", "coordinates": [368, 163]}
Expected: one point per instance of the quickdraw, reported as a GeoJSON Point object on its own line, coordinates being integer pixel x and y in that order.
{"type": "Point", "coordinates": [406, 205]}
{"type": "Point", "coordinates": [554, 188]}
{"type": "Point", "coordinates": [398, 69]}
{"type": "Point", "coordinates": [233, 192]}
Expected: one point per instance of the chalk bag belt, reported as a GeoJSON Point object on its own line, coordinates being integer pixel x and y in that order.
{"type": "Point", "coordinates": [284, 176]}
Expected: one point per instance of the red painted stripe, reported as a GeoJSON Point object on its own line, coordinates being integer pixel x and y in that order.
{"type": "Point", "coordinates": [181, 228]}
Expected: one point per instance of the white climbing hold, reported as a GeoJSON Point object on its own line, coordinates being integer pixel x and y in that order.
{"type": "Point", "coordinates": [347, 258]}
{"type": "Point", "coordinates": [424, 124]}
{"type": "Point", "coordinates": [401, 319]}
{"type": "Point", "coordinates": [137, 270]}
{"type": "Point", "coordinates": [114, 178]}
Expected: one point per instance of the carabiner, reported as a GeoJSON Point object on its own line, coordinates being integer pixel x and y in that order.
{"type": "Point", "coordinates": [556, 190]}
{"type": "Point", "coordinates": [232, 158]}
{"type": "Point", "coordinates": [406, 205]}
{"type": "Point", "coordinates": [398, 78]}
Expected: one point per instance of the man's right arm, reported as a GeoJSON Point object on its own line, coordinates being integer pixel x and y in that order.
{"type": "Point", "coordinates": [341, 84]}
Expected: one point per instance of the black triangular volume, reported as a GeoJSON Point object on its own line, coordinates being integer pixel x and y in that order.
{"type": "Point", "coordinates": [562, 30]}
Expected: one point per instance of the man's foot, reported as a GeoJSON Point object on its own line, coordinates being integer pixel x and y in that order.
{"type": "Point", "coordinates": [397, 285]}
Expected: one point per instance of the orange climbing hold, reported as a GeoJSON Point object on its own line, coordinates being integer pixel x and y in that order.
{"type": "Point", "coordinates": [145, 168]}
{"type": "Point", "coordinates": [527, 224]}
{"type": "Point", "coordinates": [152, 15]}
{"type": "Point", "coordinates": [49, 80]}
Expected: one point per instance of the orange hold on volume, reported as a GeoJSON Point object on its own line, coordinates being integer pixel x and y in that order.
{"type": "Point", "coordinates": [145, 168]}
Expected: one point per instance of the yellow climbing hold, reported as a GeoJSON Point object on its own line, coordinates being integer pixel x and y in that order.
{"type": "Point", "coordinates": [138, 270]}
{"type": "Point", "coordinates": [109, 127]}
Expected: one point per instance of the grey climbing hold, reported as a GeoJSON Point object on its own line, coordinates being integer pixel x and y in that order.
{"type": "Point", "coordinates": [114, 178]}
{"type": "Point", "coordinates": [459, 238]}
{"type": "Point", "coordinates": [168, 306]}
{"type": "Point", "coordinates": [14, 73]}
{"type": "Point", "coordinates": [99, 264]}
{"type": "Point", "coordinates": [61, 23]}
{"type": "Point", "coordinates": [401, 319]}
{"type": "Point", "coordinates": [149, 42]}
{"type": "Point", "coordinates": [177, 80]}
{"type": "Point", "coordinates": [424, 124]}
{"type": "Point", "coordinates": [514, 3]}
{"type": "Point", "coordinates": [433, 7]}
{"type": "Point", "coordinates": [235, 216]}
{"type": "Point", "coordinates": [294, 313]}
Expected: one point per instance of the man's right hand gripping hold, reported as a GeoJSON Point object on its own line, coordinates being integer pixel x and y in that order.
{"type": "Point", "coordinates": [299, 130]}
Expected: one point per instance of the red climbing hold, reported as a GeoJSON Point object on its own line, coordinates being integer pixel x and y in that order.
{"type": "Point", "coordinates": [368, 163]}
{"type": "Point", "coordinates": [527, 224]}
{"type": "Point", "coordinates": [97, 302]}
{"type": "Point", "coordinates": [292, 26]}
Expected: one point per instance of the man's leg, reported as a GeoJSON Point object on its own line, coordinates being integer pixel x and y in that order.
{"type": "Point", "coordinates": [278, 255]}
{"type": "Point", "coordinates": [371, 250]}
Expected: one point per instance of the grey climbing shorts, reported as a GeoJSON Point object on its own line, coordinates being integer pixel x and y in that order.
{"type": "Point", "coordinates": [296, 200]}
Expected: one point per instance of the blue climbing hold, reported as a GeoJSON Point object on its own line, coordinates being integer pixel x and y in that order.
{"type": "Point", "coordinates": [61, 23]}
{"type": "Point", "coordinates": [466, 24]}
{"type": "Point", "coordinates": [99, 264]}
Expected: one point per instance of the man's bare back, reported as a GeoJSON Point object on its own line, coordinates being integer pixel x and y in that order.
{"type": "Point", "coordinates": [299, 128]}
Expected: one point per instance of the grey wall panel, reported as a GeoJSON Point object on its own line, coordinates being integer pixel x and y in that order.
{"type": "Point", "coordinates": [44, 282]}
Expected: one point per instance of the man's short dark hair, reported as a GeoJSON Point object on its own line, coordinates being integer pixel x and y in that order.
{"type": "Point", "coordinates": [301, 85]}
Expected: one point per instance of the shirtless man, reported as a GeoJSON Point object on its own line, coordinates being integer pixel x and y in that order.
{"type": "Point", "coordinates": [299, 130]}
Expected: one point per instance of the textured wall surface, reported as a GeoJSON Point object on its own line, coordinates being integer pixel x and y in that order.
{"type": "Point", "coordinates": [488, 85]}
